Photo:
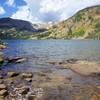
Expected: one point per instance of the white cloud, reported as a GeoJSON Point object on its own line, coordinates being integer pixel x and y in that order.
{"type": "Point", "coordinates": [66, 8]}
{"type": "Point", "coordinates": [49, 5]}
{"type": "Point", "coordinates": [24, 14]}
{"type": "Point", "coordinates": [10, 3]}
{"type": "Point", "coordinates": [2, 11]}
{"type": "Point", "coordinates": [51, 10]}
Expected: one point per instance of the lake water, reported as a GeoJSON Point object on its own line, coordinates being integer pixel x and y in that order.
{"type": "Point", "coordinates": [39, 52]}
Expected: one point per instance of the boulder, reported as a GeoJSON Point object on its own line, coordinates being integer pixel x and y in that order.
{"type": "Point", "coordinates": [30, 97]}
{"type": "Point", "coordinates": [72, 61]}
{"type": "Point", "coordinates": [16, 60]}
{"type": "Point", "coordinates": [2, 98]}
{"type": "Point", "coordinates": [28, 79]}
{"type": "Point", "coordinates": [20, 60]}
{"type": "Point", "coordinates": [2, 86]}
{"type": "Point", "coordinates": [1, 60]}
{"type": "Point", "coordinates": [3, 93]}
{"type": "Point", "coordinates": [1, 77]}
{"type": "Point", "coordinates": [27, 75]}
{"type": "Point", "coordinates": [23, 90]}
{"type": "Point", "coordinates": [13, 74]}
{"type": "Point", "coordinates": [2, 46]}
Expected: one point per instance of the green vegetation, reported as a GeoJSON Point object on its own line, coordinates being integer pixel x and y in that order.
{"type": "Point", "coordinates": [97, 27]}
{"type": "Point", "coordinates": [6, 33]}
{"type": "Point", "coordinates": [78, 18]}
{"type": "Point", "coordinates": [78, 32]}
{"type": "Point", "coordinates": [41, 35]}
{"type": "Point", "coordinates": [83, 25]}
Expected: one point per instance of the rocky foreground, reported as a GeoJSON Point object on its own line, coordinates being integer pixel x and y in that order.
{"type": "Point", "coordinates": [50, 86]}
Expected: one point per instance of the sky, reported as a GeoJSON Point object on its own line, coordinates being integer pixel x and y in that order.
{"type": "Point", "coordinates": [43, 11]}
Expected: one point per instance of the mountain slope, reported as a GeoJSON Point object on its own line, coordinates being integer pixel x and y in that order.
{"type": "Point", "coordinates": [83, 25]}
{"type": "Point", "coordinates": [17, 29]}
{"type": "Point", "coordinates": [17, 24]}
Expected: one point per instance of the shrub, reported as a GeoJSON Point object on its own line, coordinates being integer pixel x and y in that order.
{"type": "Point", "coordinates": [78, 32]}
{"type": "Point", "coordinates": [97, 27]}
{"type": "Point", "coordinates": [78, 18]}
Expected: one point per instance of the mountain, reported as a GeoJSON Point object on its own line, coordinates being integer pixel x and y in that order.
{"type": "Point", "coordinates": [85, 24]}
{"type": "Point", "coordinates": [18, 29]}
{"type": "Point", "coordinates": [17, 24]}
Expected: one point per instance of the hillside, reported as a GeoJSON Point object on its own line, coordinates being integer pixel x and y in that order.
{"type": "Point", "coordinates": [83, 25]}
{"type": "Point", "coordinates": [17, 29]}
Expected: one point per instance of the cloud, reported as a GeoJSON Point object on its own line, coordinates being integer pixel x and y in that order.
{"type": "Point", "coordinates": [51, 10]}
{"type": "Point", "coordinates": [24, 14]}
{"type": "Point", "coordinates": [2, 11]}
{"type": "Point", "coordinates": [11, 3]}
{"type": "Point", "coordinates": [65, 8]}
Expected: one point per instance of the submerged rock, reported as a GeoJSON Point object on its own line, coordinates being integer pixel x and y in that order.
{"type": "Point", "coordinates": [16, 60]}
{"type": "Point", "coordinates": [30, 97]}
{"type": "Point", "coordinates": [3, 93]}
{"type": "Point", "coordinates": [1, 60]}
{"type": "Point", "coordinates": [12, 74]}
{"type": "Point", "coordinates": [28, 79]}
{"type": "Point", "coordinates": [27, 75]}
{"type": "Point", "coordinates": [23, 90]}
{"type": "Point", "coordinates": [3, 86]}
{"type": "Point", "coordinates": [72, 61]}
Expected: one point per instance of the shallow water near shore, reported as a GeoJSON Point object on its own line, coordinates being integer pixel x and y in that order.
{"type": "Point", "coordinates": [46, 55]}
{"type": "Point", "coordinates": [40, 52]}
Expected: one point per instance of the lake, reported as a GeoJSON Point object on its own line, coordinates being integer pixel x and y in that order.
{"type": "Point", "coordinates": [39, 52]}
{"type": "Point", "coordinates": [43, 57]}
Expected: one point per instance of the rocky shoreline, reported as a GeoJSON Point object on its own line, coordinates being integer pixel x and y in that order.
{"type": "Point", "coordinates": [42, 86]}
{"type": "Point", "coordinates": [49, 86]}
{"type": "Point", "coordinates": [46, 85]}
